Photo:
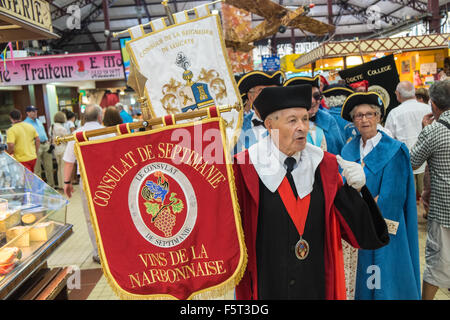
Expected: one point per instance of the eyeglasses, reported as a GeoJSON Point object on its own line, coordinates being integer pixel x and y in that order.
{"type": "Point", "coordinates": [317, 96]}
{"type": "Point", "coordinates": [360, 116]}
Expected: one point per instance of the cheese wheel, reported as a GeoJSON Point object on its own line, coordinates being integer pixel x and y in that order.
{"type": "Point", "coordinates": [28, 218]}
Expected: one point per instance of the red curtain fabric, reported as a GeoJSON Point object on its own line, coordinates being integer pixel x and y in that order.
{"type": "Point", "coordinates": [109, 99]}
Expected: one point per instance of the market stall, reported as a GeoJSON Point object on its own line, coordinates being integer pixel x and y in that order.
{"type": "Point", "coordinates": [411, 53]}
{"type": "Point", "coordinates": [32, 225]}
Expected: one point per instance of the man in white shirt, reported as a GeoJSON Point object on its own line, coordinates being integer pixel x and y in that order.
{"type": "Point", "coordinates": [93, 117]}
{"type": "Point", "coordinates": [405, 123]}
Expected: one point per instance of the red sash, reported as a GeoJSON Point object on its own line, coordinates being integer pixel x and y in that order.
{"type": "Point", "coordinates": [296, 207]}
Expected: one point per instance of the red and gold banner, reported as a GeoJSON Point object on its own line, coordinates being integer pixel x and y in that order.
{"type": "Point", "coordinates": [164, 209]}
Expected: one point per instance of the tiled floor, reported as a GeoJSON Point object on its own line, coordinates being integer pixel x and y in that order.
{"type": "Point", "coordinates": [77, 251]}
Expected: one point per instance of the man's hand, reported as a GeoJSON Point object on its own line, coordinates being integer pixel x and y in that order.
{"type": "Point", "coordinates": [427, 119]}
{"type": "Point", "coordinates": [353, 172]}
{"type": "Point", "coordinates": [425, 198]}
{"type": "Point", "coordinates": [68, 168]}
{"type": "Point", "coordinates": [68, 189]}
{"type": "Point", "coordinates": [10, 149]}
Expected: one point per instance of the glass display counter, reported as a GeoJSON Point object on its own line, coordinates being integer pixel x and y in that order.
{"type": "Point", "coordinates": [32, 225]}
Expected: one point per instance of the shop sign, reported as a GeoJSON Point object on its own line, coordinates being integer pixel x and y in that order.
{"type": "Point", "coordinates": [428, 68]}
{"type": "Point", "coordinates": [59, 68]}
{"type": "Point", "coordinates": [270, 64]}
{"type": "Point", "coordinates": [36, 12]}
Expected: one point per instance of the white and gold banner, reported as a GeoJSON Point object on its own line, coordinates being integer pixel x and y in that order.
{"type": "Point", "coordinates": [187, 68]}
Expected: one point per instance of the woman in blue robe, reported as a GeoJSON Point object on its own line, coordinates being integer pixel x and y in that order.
{"type": "Point", "coordinates": [391, 272]}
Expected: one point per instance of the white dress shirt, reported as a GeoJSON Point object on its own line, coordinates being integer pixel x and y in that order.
{"type": "Point", "coordinates": [69, 154]}
{"type": "Point", "coordinates": [371, 143]}
{"type": "Point", "coordinates": [268, 162]}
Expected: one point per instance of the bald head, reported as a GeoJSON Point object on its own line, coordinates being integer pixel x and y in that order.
{"type": "Point", "coordinates": [405, 91]}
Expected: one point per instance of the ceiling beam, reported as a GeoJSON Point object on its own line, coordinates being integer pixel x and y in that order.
{"type": "Point", "coordinates": [121, 29]}
{"type": "Point", "coordinates": [138, 11]}
{"type": "Point", "coordinates": [62, 11]}
{"type": "Point", "coordinates": [93, 41]}
{"type": "Point", "coordinates": [405, 25]}
{"type": "Point", "coordinates": [416, 5]}
{"type": "Point", "coordinates": [280, 40]}
{"type": "Point", "coordinates": [330, 11]}
{"type": "Point", "coordinates": [149, 16]}
{"type": "Point", "coordinates": [68, 35]}
{"type": "Point", "coordinates": [361, 13]}
{"type": "Point", "coordinates": [105, 7]}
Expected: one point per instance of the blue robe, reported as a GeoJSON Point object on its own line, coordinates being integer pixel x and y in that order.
{"type": "Point", "coordinates": [333, 136]}
{"type": "Point", "coordinates": [389, 176]}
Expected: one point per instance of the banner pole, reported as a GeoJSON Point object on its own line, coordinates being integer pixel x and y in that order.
{"type": "Point", "coordinates": [146, 123]}
{"type": "Point", "coordinates": [168, 12]}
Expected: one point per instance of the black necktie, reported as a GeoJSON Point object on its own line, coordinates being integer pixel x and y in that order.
{"type": "Point", "coordinates": [257, 122]}
{"type": "Point", "coordinates": [290, 163]}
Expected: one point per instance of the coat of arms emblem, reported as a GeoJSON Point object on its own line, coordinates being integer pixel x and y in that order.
{"type": "Point", "coordinates": [192, 94]}
{"type": "Point", "coordinates": [161, 204]}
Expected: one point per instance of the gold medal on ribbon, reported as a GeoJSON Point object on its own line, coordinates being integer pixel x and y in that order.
{"type": "Point", "coordinates": [301, 249]}
{"type": "Point", "coordinates": [298, 211]}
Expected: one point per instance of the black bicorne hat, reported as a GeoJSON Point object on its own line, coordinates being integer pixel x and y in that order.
{"type": "Point", "coordinates": [359, 98]}
{"type": "Point", "coordinates": [259, 78]}
{"type": "Point", "coordinates": [272, 99]}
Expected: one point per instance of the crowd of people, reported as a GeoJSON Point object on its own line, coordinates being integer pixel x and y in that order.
{"type": "Point", "coordinates": [32, 145]}
{"type": "Point", "coordinates": [350, 171]}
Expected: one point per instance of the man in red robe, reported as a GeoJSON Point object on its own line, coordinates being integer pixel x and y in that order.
{"type": "Point", "coordinates": [295, 206]}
